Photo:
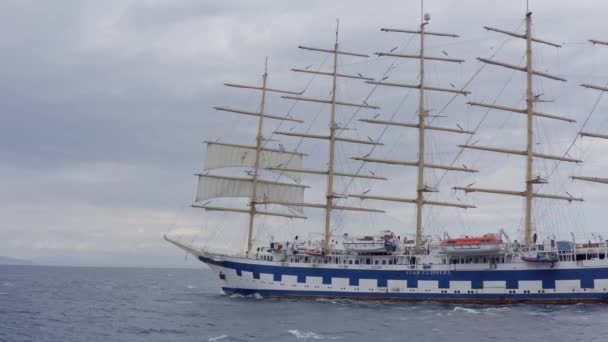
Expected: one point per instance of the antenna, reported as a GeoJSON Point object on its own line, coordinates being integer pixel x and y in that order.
{"type": "Point", "coordinates": [422, 11]}
{"type": "Point", "coordinates": [337, 29]}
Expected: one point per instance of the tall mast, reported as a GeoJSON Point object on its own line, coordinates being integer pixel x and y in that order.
{"type": "Point", "coordinates": [530, 112]}
{"type": "Point", "coordinates": [256, 168]}
{"type": "Point", "coordinates": [332, 144]}
{"type": "Point", "coordinates": [421, 128]}
{"type": "Point", "coordinates": [421, 125]}
{"type": "Point", "coordinates": [530, 143]}
{"type": "Point", "coordinates": [225, 155]}
{"type": "Point", "coordinates": [330, 172]}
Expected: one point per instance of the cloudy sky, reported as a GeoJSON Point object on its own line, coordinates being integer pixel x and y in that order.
{"type": "Point", "coordinates": [105, 105]}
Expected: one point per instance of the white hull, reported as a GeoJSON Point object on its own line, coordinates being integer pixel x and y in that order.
{"type": "Point", "coordinates": [522, 282]}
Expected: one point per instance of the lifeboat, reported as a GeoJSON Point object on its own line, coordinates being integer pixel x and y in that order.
{"type": "Point", "coordinates": [312, 248]}
{"type": "Point", "coordinates": [550, 258]}
{"type": "Point", "coordinates": [385, 242]}
{"type": "Point", "coordinates": [486, 244]}
{"type": "Point", "coordinates": [313, 252]}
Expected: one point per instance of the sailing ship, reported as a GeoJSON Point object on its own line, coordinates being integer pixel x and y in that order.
{"type": "Point", "coordinates": [385, 266]}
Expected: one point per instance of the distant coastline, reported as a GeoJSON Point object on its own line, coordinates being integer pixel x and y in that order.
{"type": "Point", "coordinates": [119, 261]}
{"type": "Point", "coordinates": [4, 260]}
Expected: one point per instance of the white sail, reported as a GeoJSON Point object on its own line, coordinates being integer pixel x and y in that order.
{"type": "Point", "coordinates": [220, 155]}
{"type": "Point", "coordinates": [220, 186]}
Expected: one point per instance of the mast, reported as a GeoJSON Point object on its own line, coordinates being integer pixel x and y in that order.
{"type": "Point", "coordinates": [421, 127]}
{"type": "Point", "coordinates": [333, 137]}
{"type": "Point", "coordinates": [258, 149]}
{"type": "Point", "coordinates": [529, 153]}
{"type": "Point", "coordinates": [226, 155]}
{"type": "Point", "coordinates": [530, 130]}
{"type": "Point", "coordinates": [332, 143]}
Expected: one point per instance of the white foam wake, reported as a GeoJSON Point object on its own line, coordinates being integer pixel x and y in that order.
{"type": "Point", "coordinates": [217, 338]}
{"type": "Point", "coordinates": [467, 310]}
{"type": "Point", "coordinates": [305, 335]}
{"type": "Point", "coordinates": [310, 335]}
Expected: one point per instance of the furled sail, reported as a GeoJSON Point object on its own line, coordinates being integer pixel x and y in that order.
{"type": "Point", "coordinates": [221, 155]}
{"type": "Point", "coordinates": [211, 186]}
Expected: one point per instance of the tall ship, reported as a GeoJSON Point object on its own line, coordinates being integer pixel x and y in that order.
{"type": "Point", "coordinates": [384, 265]}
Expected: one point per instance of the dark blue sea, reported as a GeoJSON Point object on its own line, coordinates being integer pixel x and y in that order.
{"type": "Point", "coordinates": [130, 304]}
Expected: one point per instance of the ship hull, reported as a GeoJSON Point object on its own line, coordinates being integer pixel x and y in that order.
{"type": "Point", "coordinates": [466, 299]}
{"type": "Point", "coordinates": [504, 283]}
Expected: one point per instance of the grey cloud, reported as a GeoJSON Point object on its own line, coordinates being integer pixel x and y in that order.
{"type": "Point", "coordinates": [105, 105]}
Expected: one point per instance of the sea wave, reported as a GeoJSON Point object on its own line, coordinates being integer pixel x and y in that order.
{"type": "Point", "coordinates": [496, 309]}
{"type": "Point", "coordinates": [310, 335]}
{"type": "Point", "coordinates": [467, 310]}
{"type": "Point", "coordinates": [51, 299]}
{"type": "Point", "coordinates": [161, 331]}
{"type": "Point", "coordinates": [305, 335]}
{"type": "Point", "coordinates": [330, 301]}
{"type": "Point", "coordinates": [254, 296]}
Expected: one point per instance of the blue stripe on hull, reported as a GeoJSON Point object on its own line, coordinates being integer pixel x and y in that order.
{"type": "Point", "coordinates": [511, 278]}
{"type": "Point", "coordinates": [469, 298]}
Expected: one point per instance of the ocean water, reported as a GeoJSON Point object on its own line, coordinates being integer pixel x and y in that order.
{"type": "Point", "coordinates": [129, 304]}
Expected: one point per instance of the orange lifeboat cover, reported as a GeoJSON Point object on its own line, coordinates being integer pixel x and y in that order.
{"type": "Point", "coordinates": [473, 240]}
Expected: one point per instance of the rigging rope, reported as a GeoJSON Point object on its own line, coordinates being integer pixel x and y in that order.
{"type": "Point", "coordinates": [353, 116]}
{"type": "Point", "coordinates": [473, 77]}
{"type": "Point", "coordinates": [373, 148]}
{"type": "Point", "coordinates": [481, 121]}
{"type": "Point", "coordinates": [355, 113]}
{"type": "Point", "coordinates": [576, 137]}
